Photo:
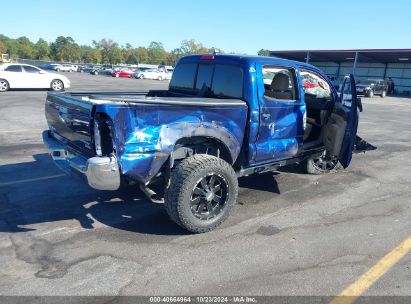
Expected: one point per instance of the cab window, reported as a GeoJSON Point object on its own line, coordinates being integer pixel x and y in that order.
{"type": "Point", "coordinates": [30, 69]}
{"type": "Point", "coordinates": [13, 68]}
{"type": "Point", "coordinates": [227, 81]}
{"type": "Point", "coordinates": [183, 77]}
{"type": "Point", "coordinates": [279, 83]}
{"type": "Point", "coordinates": [317, 91]}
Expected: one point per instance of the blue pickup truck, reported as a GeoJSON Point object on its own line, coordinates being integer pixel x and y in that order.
{"type": "Point", "coordinates": [222, 117]}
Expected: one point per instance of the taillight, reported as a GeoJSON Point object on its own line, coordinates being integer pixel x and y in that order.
{"type": "Point", "coordinates": [97, 139]}
{"type": "Point", "coordinates": [207, 57]}
{"type": "Point", "coordinates": [102, 136]}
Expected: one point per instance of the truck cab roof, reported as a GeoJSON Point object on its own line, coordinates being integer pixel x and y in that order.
{"type": "Point", "coordinates": [247, 60]}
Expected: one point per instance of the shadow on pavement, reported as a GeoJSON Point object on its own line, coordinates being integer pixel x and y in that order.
{"type": "Point", "coordinates": [262, 182]}
{"type": "Point", "coordinates": [27, 199]}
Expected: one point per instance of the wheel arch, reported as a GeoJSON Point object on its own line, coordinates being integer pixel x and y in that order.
{"type": "Point", "coordinates": [188, 146]}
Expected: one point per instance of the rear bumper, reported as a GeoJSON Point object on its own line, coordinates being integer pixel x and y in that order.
{"type": "Point", "coordinates": [102, 173]}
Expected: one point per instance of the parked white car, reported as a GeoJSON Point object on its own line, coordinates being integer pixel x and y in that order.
{"type": "Point", "coordinates": [24, 76]}
{"type": "Point", "coordinates": [153, 74]}
{"type": "Point", "coordinates": [65, 68]}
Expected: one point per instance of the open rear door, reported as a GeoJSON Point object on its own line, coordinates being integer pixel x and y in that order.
{"type": "Point", "coordinates": [341, 129]}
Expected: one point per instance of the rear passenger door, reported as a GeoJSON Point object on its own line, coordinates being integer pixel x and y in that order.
{"type": "Point", "coordinates": [14, 75]}
{"type": "Point", "coordinates": [282, 113]}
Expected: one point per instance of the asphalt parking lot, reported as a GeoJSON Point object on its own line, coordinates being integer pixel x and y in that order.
{"type": "Point", "coordinates": [289, 234]}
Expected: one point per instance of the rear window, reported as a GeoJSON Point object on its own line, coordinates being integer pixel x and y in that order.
{"type": "Point", "coordinates": [213, 80]}
{"type": "Point", "coordinates": [14, 68]}
{"type": "Point", "coordinates": [183, 77]}
{"type": "Point", "coordinates": [204, 77]}
{"type": "Point", "coordinates": [228, 81]}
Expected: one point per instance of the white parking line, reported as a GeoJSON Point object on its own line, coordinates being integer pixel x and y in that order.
{"type": "Point", "coordinates": [31, 180]}
{"type": "Point", "coordinates": [21, 131]}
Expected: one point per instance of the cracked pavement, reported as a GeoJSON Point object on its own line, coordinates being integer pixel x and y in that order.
{"type": "Point", "coordinates": [289, 234]}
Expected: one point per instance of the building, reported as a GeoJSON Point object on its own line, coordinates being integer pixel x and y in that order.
{"type": "Point", "coordinates": [363, 63]}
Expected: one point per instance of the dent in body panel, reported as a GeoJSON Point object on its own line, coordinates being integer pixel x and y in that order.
{"type": "Point", "coordinates": [282, 136]}
{"type": "Point", "coordinates": [145, 134]}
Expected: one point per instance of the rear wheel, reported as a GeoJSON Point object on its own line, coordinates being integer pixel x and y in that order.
{"type": "Point", "coordinates": [370, 94]}
{"type": "Point", "coordinates": [57, 70]}
{"type": "Point", "coordinates": [4, 85]}
{"type": "Point", "coordinates": [160, 78]}
{"type": "Point", "coordinates": [321, 165]}
{"type": "Point", "coordinates": [141, 76]}
{"type": "Point", "coordinates": [203, 189]}
{"type": "Point", "coordinates": [57, 85]}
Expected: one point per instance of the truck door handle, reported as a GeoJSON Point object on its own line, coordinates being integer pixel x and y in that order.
{"type": "Point", "coordinates": [266, 116]}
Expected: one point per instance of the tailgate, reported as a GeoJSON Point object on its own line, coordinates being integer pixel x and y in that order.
{"type": "Point", "coordinates": [71, 117]}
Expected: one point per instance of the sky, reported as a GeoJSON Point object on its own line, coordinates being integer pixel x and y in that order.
{"type": "Point", "coordinates": [233, 26]}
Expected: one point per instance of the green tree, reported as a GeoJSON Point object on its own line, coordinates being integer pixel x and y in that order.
{"type": "Point", "coordinates": [42, 49]}
{"type": "Point", "coordinates": [110, 51]}
{"type": "Point", "coordinates": [65, 49]}
{"type": "Point", "coordinates": [132, 59]}
{"type": "Point", "coordinates": [263, 52]}
{"type": "Point", "coordinates": [3, 48]}
{"type": "Point", "coordinates": [193, 47]}
{"type": "Point", "coordinates": [89, 54]}
{"type": "Point", "coordinates": [174, 56]}
{"type": "Point", "coordinates": [156, 53]}
{"type": "Point", "coordinates": [25, 48]}
{"type": "Point", "coordinates": [141, 54]}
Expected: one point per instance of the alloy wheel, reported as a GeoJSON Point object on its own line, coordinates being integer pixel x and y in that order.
{"type": "Point", "coordinates": [325, 162]}
{"type": "Point", "coordinates": [209, 196]}
{"type": "Point", "coordinates": [57, 85]}
{"type": "Point", "coordinates": [3, 86]}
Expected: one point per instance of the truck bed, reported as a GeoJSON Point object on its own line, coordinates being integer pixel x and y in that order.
{"type": "Point", "coordinates": [145, 125]}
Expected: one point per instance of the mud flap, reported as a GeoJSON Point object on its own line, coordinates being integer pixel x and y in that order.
{"type": "Point", "coordinates": [362, 146]}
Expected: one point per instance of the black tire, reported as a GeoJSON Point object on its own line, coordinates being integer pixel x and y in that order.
{"type": "Point", "coordinates": [57, 85]}
{"type": "Point", "coordinates": [383, 94]}
{"type": "Point", "coordinates": [323, 164]}
{"type": "Point", "coordinates": [203, 189]}
{"type": "Point", "coordinates": [57, 70]}
{"type": "Point", "coordinates": [370, 94]}
{"type": "Point", "coordinates": [141, 76]}
{"type": "Point", "coordinates": [4, 85]}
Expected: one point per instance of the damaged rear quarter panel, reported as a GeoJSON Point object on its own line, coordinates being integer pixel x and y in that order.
{"type": "Point", "coordinates": [144, 135]}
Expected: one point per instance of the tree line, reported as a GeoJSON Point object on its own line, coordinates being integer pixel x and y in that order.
{"type": "Point", "coordinates": [105, 51]}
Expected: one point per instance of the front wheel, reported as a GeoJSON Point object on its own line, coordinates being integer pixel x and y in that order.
{"type": "Point", "coordinates": [203, 189]}
{"type": "Point", "coordinates": [160, 78]}
{"type": "Point", "coordinates": [370, 94]}
{"type": "Point", "coordinates": [383, 94]}
{"type": "Point", "coordinates": [141, 76]}
{"type": "Point", "coordinates": [321, 165]}
{"type": "Point", "coordinates": [4, 85]}
{"type": "Point", "coordinates": [57, 85]}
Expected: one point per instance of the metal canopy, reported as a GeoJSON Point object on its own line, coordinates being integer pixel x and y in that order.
{"type": "Point", "coordinates": [339, 56]}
